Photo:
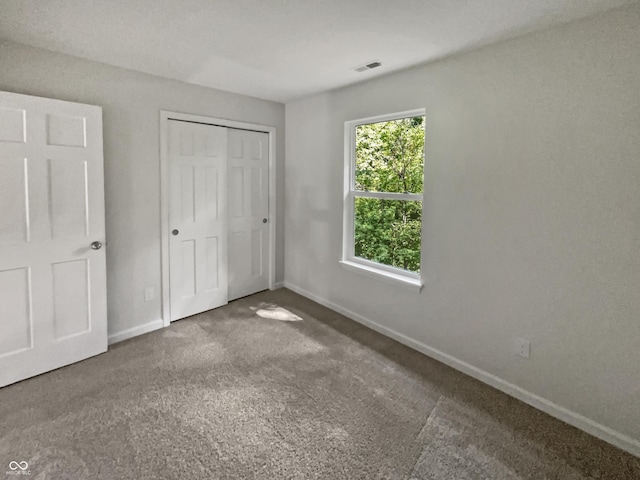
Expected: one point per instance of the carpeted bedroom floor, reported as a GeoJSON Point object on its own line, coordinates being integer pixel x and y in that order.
{"type": "Point", "coordinates": [274, 386]}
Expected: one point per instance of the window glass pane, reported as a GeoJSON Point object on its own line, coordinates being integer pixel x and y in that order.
{"type": "Point", "coordinates": [388, 232]}
{"type": "Point", "coordinates": [389, 156]}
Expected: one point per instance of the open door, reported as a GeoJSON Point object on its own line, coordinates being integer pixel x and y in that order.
{"type": "Point", "coordinates": [53, 308]}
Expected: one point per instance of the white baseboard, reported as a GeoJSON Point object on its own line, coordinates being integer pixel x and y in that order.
{"type": "Point", "coordinates": [278, 285]}
{"type": "Point", "coordinates": [581, 422]}
{"type": "Point", "coordinates": [135, 331]}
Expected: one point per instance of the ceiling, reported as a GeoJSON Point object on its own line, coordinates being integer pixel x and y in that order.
{"type": "Point", "coordinates": [276, 49]}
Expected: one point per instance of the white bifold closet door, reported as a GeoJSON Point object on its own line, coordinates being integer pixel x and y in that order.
{"type": "Point", "coordinates": [53, 308]}
{"type": "Point", "coordinates": [218, 215]}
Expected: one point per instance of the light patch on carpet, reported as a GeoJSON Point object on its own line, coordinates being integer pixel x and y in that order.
{"type": "Point", "coordinates": [274, 312]}
{"type": "Point", "coordinates": [465, 443]}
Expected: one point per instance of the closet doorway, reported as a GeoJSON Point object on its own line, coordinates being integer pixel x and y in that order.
{"type": "Point", "coordinates": [218, 212]}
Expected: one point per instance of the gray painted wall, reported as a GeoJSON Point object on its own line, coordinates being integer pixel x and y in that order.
{"type": "Point", "coordinates": [131, 105]}
{"type": "Point", "coordinates": [531, 219]}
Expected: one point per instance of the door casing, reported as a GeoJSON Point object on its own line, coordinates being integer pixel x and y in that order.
{"type": "Point", "coordinates": [165, 116]}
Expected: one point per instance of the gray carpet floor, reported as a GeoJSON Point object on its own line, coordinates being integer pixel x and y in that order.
{"type": "Point", "coordinates": [274, 386]}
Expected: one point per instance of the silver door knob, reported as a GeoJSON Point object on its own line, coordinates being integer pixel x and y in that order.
{"type": "Point", "coordinates": [96, 245]}
{"type": "Point", "coordinates": [175, 232]}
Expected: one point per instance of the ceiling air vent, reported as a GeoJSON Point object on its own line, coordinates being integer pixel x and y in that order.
{"type": "Point", "coordinates": [368, 66]}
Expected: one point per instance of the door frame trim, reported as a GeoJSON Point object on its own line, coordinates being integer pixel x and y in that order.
{"type": "Point", "coordinates": [165, 116]}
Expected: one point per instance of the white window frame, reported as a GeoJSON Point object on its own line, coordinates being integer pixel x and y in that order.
{"type": "Point", "coordinates": [386, 273]}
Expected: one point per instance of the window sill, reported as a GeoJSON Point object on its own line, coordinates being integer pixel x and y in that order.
{"type": "Point", "coordinates": [410, 283]}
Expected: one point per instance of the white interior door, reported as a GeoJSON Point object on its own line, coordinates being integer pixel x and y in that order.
{"type": "Point", "coordinates": [52, 282]}
{"type": "Point", "coordinates": [197, 217]}
{"type": "Point", "coordinates": [248, 212]}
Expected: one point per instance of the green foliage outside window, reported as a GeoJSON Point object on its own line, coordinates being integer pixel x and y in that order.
{"type": "Point", "coordinates": [389, 158]}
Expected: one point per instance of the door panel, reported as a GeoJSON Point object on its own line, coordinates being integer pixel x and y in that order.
{"type": "Point", "coordinates": [257, 192]}
{"type": "Point", "coordinates": [13, 221]}
{"type": "Point", "coordinates": [188, 268]}
{"type": "Point", "coordinates": [52, 283]}
{"type": "Point", "coordinates": [213, 255]}
{"type": "Point", "coordinates": [236, 192]}
{"type": "Point", "coordinates": [249, 208]}
{"type": "Point", "coordinates": [256, 253]}
{"type": "Point", "coordinates": [188, 194]}
{"type": "Point", "coordinates": [68, 197]}
{"type": "Point", "coordinates": [197, 211]}
{"type": "Point", "coordinates": [70, 298]}
{"type": "Point", "coordinates": [212, 202]}
{"type": "Point", "coordinates": [66, 131]}
{"type": "Point", "coordinates": [14, 309]}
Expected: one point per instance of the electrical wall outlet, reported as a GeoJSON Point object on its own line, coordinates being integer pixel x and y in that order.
{"type": "Point", "coordinates": [522, 347]}
{"type": "Point", "coordinates": [149, 294]}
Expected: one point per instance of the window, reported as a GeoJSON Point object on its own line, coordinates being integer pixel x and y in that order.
{"type": "Point", "coordinates": [384, 175]}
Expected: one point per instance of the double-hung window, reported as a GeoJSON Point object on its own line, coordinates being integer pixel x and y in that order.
{"type": "Point", "coordinates": [384, 176]}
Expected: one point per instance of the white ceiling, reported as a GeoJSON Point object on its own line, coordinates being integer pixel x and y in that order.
{"type": "Point", "coordinates": [276, 49]}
